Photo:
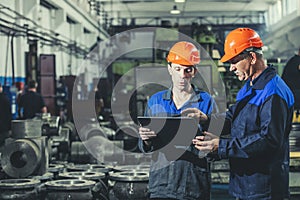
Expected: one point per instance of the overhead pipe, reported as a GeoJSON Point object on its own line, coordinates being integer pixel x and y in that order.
{"type": "Point", "coordinates": [12, 58]}
{"type": "Point", "coordinates": [6, 59]}
{"type": "Point", "coordinates": [40, 35]}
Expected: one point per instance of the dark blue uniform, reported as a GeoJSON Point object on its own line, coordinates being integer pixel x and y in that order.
{"type": "Point", "coordinates": [5, 118]}
{"type": "Point", "coordinates": [187, 177]}
{"type": "Point", "coordinates": [258, 147]}
{"type": "Point", "coordinates": [291, 76]}
{"type": "Point", "coordinates": [32, 103]}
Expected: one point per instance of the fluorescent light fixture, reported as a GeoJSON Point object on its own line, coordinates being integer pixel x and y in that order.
{"type": "Point", "coordinates": [179, 1]}
{"type": "Point", "coordinates": [175, 11]}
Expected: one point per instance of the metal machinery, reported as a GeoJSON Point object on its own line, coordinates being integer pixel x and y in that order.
{"type": "Point", "coordinates": [69, 189]}
{"type": "Point", "coordinates": [291, 77]}
{"type": "Point", "coordinates": [295, 159]}
{"type": "Point", "coordinates": [113, 150]}
{"type": "Point", "coordinates": [295, 153]}
{"type": "Point", "coordinates": [46, 160]}
{"type": "Point", "coordinates": [130, 184]}
{"type": "Point", "coordinates": [19, 188]}
{"type": "Point", "coordinates": [26, 152]}
{"type": "Point", "coordinates": [26, 155]}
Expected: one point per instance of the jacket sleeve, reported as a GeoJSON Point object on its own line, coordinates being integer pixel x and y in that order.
{"type": "Point", "coordinates": [273, 119]}
{"type": "Point", "coordinates": [220, 125]}
{"type": "Point", "coordinates": [142, 147]}
{"type": "Point", "coordinates": [211, 111]}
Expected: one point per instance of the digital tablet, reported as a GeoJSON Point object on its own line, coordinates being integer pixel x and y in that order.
{"type": "Point", "coordinates": [174, 131]}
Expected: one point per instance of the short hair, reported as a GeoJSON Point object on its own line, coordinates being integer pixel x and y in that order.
{"type": "Point", "coordinates": [32, 84]}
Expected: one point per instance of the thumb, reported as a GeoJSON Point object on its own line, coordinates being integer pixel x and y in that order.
{"type": "Point", "coordinates": [211, 135]}
{"type": "Point", "coordinates": [208, 134]}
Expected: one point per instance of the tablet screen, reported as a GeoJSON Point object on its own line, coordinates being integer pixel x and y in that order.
{"type": "Point", "coordinates": [174, 131]}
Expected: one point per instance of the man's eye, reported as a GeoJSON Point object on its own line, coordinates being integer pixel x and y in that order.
{"type": "Point", "coordinates": [188, 70]}
{"type": "Point", "coordinates": [234, 61]}
{"type": "Point", "coordinates": [177, 68]}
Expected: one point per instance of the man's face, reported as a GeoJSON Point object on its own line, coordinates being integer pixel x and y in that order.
{"type": "Point", "coordinates": [240, 65]}
{"type": "Point", "coordinates": [181, 75]}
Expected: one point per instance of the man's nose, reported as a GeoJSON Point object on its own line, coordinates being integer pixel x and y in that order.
{"type": "Point", "coordinates": [182, 73]}
{"type": "Point", "coordinates": [232, 67]}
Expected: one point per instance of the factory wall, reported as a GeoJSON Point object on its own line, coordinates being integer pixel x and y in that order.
{"type": "Point", "coordinates": [58, 28]}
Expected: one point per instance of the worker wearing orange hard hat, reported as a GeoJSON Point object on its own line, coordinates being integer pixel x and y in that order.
{"type": "Point", "coordinates": [239, 44]}
{"type": "Point", "coordinates": [184, 53]}
{"type": "Point", "coordinates": [255, 137]}
{"type": "Point", "coordinates": [186, 175]}
{"type": "Point", "coordinates": [239, 40]}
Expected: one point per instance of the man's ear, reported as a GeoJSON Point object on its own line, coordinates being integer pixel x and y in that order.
{"type": "Point", "coordinates": [195, 72]}
{"type": "Point", "coordinates": [170, 69]}
{"type": "Point", "coordinates": [253, 58]}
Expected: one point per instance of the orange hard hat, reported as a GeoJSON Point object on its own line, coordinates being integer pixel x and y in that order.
{"type": "Point", "coordinates": [184, 53]}
{"type": "Point", "coordinates": [239, 40]}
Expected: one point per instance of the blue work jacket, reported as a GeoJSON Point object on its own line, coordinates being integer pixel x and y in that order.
{"type": "Point", "coordinates": [187, 177]}
{"type": "Point", "coordinates": [258, 145]}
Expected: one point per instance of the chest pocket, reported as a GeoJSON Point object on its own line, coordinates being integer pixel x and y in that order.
{"type": "Point", "coordinates": [243, 116]}
{"type": "Point", "coordinates": [247, 122]}
{"type": "Point", "coordinates": [252, 119]}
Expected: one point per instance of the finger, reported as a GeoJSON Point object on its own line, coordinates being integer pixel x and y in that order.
{"type": "Point", "coordinates": [192, 115]}
{"type": "Point", "coordinates": [189, 110]}
{"type": "Point", "coordinates": [197, 142]}
{"type": "Point", "coordinates": [201, 137]}
{"type": "Point", "coordinates": [202, 113]}
{"type": "Point", "coordinates": [211, 135]}
{"type": "Point", "coordinates": [204, 138]}
{"type": "Point", "coordinates": [144, 137]}
{"type": "Point", "coordinates": [208, 134]}
{"type": "Point", "coordinates": [143, 129]}
{"type": "Point", "coordinates": [149, 133]}
{"type": "Point", "coordinates": [144, 134]}
{"type": "Point", "coordinates": [204, 146]}
{"type": "Point", "coordinates": [201, 148]}
{"type": "Point", "coordinates": [203, 143]}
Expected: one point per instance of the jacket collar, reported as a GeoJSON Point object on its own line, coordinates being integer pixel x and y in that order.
{"type": "Point", "coordinates": [195, 98]}
{"type": "Point", "coordinates": [260, 82]}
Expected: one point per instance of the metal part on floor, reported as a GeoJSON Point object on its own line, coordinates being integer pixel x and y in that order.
{"type": "Point", "coordinates": [69, 189]}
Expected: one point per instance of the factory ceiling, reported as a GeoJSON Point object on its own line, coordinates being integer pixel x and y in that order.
{"type": "Point", "coordinates": [217, 16]}
{"type": "Point", "coordinates": [220, 15]}
{"type": "Point", "coordinates": [152, 12]}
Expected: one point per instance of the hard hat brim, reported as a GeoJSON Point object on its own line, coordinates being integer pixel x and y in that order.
{"type": "Point", "coordinates": [226, 58]}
